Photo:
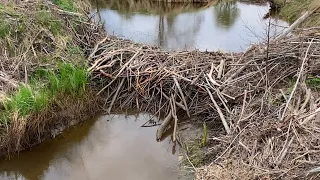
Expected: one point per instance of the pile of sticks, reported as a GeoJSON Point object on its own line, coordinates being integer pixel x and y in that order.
{"type": "Point", "coordinates": [260, 98]}
{"type": "Point", "coordinates": [198, 83]}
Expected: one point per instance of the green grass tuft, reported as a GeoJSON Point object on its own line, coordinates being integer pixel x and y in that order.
{"type": "Point", "coordinates": [26, 100]}
{"type": "Point", "coordinates": [313, 82]}
{"type": "Point", "coordinates": [67, 5]}
{"type": "Point", "coordinates": [205, 135]}
{"type": "Point", "coordinates": [44, 87]}
{"type": "Point", "coordinates": [72, 79]}
{"type": "Point", "coordinates": [46, 19]}
{"type": "Point", "coordinates": [75, 50]}
{"type": "Point", "coordinates": [4, 119]}
{"type": "Point", "coordinates": [4, 28]}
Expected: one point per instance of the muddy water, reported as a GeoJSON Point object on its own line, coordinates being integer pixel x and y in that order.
{"type": "Point", "coordinates": [227, 25]}
{"type": "Point", "coordinates": [112, 147]}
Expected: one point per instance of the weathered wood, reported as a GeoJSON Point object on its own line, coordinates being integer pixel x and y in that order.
{"type": "Point", "coordinates": [305, 16]}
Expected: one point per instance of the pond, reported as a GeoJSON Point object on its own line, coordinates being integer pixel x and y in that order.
{"type": "Point", "coordinates": [226, 25]}
{"type": "Point", "coordinates": [109, 147]}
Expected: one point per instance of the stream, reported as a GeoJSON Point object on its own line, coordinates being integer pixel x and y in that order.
{"type": "Point", "coordinates": [113, 147]}
{"type": "Point", "coordinates": [226, 25]}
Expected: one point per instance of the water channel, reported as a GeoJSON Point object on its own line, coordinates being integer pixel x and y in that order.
{"type": "Point", "coordinates": [226, 25]}
{"type": "Point", "coordinates": [113, 147]}
{"type": "Point", "coordinates": [116, 147]}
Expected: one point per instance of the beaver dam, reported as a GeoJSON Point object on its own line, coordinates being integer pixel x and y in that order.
{"type": "Point", "coordinates": [245, 94]}
{"type": "Point", "coordinates": [258, 108]}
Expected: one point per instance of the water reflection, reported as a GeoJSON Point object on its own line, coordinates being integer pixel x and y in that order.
{"type": "Point", "coordinates": [112, 147]}
{"type": "Point", "coordinates": [219, 25]}
{"type": "Point", "coordinates": [226, 13]}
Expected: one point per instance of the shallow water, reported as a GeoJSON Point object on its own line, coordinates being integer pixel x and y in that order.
{"type": "Point", "coordinates": [226, 25]}
{"type": "Point", "coordinates": [112, 147]}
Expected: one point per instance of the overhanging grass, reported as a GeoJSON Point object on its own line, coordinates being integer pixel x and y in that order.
{"type": "Point", "coordinates": [70, 79]}
{"type": "Point", "coordinates": [67, 5]}
{"type": "Point", "coordinates": [44, 88]}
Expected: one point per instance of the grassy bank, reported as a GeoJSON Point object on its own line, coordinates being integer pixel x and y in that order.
{"type": "Point", "coordinates": [44, 83]}
{"type": "Point", "coordinates": [292, 10]}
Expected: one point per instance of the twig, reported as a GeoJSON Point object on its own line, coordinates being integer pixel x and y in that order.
{"type": "Point", "coordinates": [174, 115]}
{"type": "Point", "coordinates": [226, 150]}
{"type": "Point", "coordinates": [124, 66]}
{"type": "Point", "coordinates": [210, 76]}
{"type": "Point", "coordinates": [297, 23]}
{"type": "Point", "coordinates": [224, 122]}
{"type": "Point", "coordinates": [182, 96]}
{"type": "Point", "coordinates": [284, 151]}
{"type": "Point", "coordinates": [243, 106]}
{"type": "Point", "coordinates": [221, 67]}
{"type": "Point", "coordinates": [115, 95]}
{"type": "Point", "coordinates": [297, 82]}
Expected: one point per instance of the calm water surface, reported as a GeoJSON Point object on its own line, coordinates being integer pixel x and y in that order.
{"type": "Point", "coordinates": [220, 25]}
{"type": "Point", "coordinates": [113, 147]}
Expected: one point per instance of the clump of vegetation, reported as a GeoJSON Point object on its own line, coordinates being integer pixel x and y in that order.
{"type": "Point", "coordinates": [33, 98]}
{"type": "Point", "coordinates": [67, 5]}
{"type": "Point", "coordinates": [48, 20]}
{"type": "Point", "coordinates": [313, 82]}
{"type": "Point", "coordinates": [205, 135]}
{"type": "Point", "coordinates": [26, 101]}
{"type": "Point", "coordinates": [70, 79]}
{"type": "Point", "coordinates": [195, 153]}
{"type": "Point", "coordinates": [4, 28]}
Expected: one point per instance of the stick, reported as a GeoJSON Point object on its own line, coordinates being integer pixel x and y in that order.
{"type": "Point", "coordinates": [177, 103]}
{"type": "Point", "coordinates": [224, 122]}
{"type": "Point", "coordinates": [222, 62]}
{"type": "Point", "coordinates": [174, 115]}
{"type": "Point", "coordinates": [163, 126]}
{"type": "Point", "coordinates": [243, 105]}
{"type": "Point", "coordinates": [96, 47]}
{"type": "Point", "coordinates": [127, 63]}
{"type": "Point", "coordinates": [297, 82]}
{"type": "Point", "coordinates": [124, 66]}
{"type": "Point", "coordinates": [210, 76]}
{"type": "Point", "coordinates": [309, 116]}
{"type": "Point", "coordinates": [284, 151]}
{"type": "Point", "coordinates": [182, 96]}
{"type": "Point", "coordinates": [115, 96]}
{"type": "Point", "coordinates": [307, 99]}
{"type": "Point", "coordinates": [297, 23]}
{"type": "Point", "coordinates": [226, 150]}
{"type": "Point", "coordinates": [238, 71]}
